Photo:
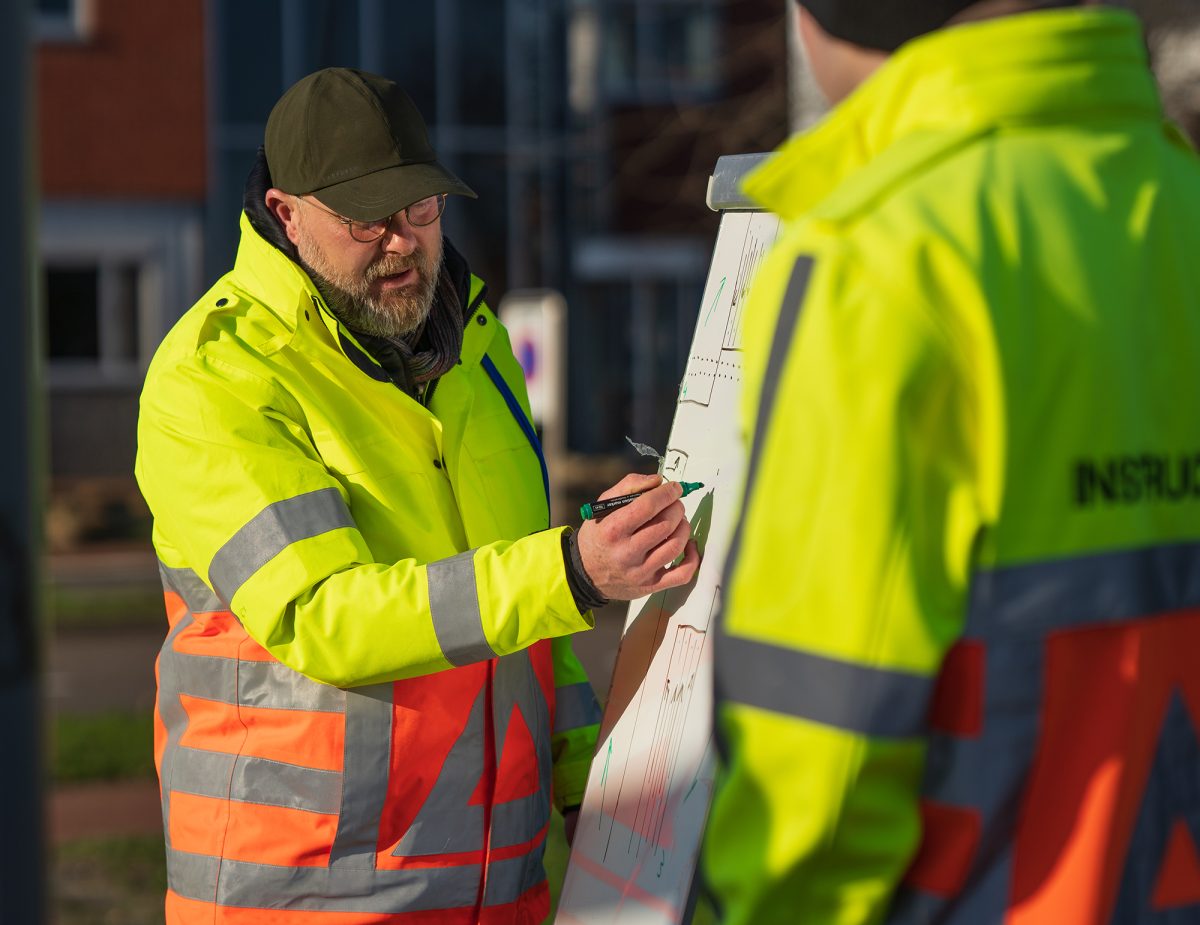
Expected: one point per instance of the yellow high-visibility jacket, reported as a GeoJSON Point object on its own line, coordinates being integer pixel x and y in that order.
{"type": "Point", "coordinates": [359, 699]}
{"type": "Point", "coordinates": [957, 667]}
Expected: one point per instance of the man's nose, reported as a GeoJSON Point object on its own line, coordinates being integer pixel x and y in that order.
{"type": "Point", "coordinates": [399, 237]}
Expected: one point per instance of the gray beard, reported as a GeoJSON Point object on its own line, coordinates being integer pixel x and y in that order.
{"type": "Point", "coordinates": [368, 317]}
{"type": "Point", "coordinates": [396, 315]}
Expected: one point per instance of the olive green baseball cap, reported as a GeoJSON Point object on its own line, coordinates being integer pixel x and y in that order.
{"type": "Point", "coordinates": [356, 142]}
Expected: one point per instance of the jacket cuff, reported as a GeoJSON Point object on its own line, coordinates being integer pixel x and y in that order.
{"type": "Point", "coordinates": [586, 595]}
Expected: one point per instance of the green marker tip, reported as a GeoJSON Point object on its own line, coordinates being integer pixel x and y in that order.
{"type": "Point", "coordinates": [689, 487]}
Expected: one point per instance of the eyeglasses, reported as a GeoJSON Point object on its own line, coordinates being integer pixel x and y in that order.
{"type": "Point", "coordinates": [419, 214]}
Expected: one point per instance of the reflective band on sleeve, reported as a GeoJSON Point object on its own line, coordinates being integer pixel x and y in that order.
{"type": "Point", "coordinates": [365, 755]}
{"type": "Point", "coordinates": [256, 780]}
{"type": "Point", "coordinates": [575, 707]}
{"type": "Point", "coordinates": [454, 605]}
{"type": "Point", "coordinates": [271, 531]}
{"type": "Point", "coordinates": [191, 588]}
{"type": "Point", "coordinates": [1100, 588]}
{"type": "Point", "coordinates": [870, 701]}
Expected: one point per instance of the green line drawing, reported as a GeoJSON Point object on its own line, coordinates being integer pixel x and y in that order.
{"type": "Point", "coordinates": [604, 793]}
{"type": "Point", "coordinates": [607, 759]}
{"type": "Point", "coordinates": [712, 308]}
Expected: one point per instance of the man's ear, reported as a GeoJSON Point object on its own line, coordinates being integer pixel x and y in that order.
{"type": "Point", "coordinates": [283, 207]}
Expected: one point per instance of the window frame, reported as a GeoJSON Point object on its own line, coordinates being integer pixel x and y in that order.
{"type": "Point", "coordinates": [163, 241]}
{"type": "Point", "coordinates": [648, 83]}
{"type": "Point", "coordinates": [110, 366]}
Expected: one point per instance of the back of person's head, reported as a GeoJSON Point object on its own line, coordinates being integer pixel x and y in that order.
{"type": "Point", "coordinates": [885, 25]}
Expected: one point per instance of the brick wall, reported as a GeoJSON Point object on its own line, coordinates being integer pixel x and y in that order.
{"type": "Point", "coordinates": [121, 113]}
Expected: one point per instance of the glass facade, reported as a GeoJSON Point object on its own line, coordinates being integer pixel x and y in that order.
{"type": "Point", "coordinates": [520, 98]}
{"type": "Point", "coordinates": [448, 56]}
{"type": "Point", "coordinates": [660, 50]}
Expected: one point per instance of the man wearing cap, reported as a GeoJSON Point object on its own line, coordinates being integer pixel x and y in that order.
{"type": "Point", "coordinates": [367, 700]}
{"type": "Point", "coordinates": [973, 369]}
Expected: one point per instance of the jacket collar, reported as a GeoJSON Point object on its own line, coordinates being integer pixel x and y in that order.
{"type": "Point", "coordinates": [1048, 66]}
{"type": "Point", "coordinates": [271, 276]}
{"type": "Point", "coordinates": [280, 283]}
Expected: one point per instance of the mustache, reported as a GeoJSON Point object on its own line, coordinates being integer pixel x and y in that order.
{"type": "Point", "coordinates": [391, 264]}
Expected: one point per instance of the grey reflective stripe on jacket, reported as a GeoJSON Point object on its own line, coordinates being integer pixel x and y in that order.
{"type": "Point", "coordinates": [454, 608]}
{"type": "Point", "coordinates": [575, 707]}
{"type": "Point", "coordinates": [356, 795]}
{"type": "Point", "coordinates": [365, 754]}
{"type": "Point", "coordinates": [236, 682]}
{"type": "Point", "coordinates": [191, 588]}
{"type": "Point", "coordinates": [858, 698]}
{"type": "Point", "coordinates": [1011, 612]}
{"type": "Point", "coordinates": [248, 779]}
{"type": "Point", "coordinates": [328, 889]}
{"type": "Point", "coordinates": [785, 327]}
{"type": "Point", "coordinates": [271, 531]}
{"type": "Point", "coordinates": [448, 821]}
{"type": "Point", "coordinates": [1030, 600]}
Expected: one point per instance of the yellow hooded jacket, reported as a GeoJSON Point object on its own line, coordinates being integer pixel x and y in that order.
{"type": "Point", "coordinates": [956, 673]}
{"type": "Point", "coordinates": [359, 699]}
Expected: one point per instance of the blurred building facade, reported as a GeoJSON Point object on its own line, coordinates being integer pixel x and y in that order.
{"type": "Point", "coordinates": [588, 127]}
{"type": "Point", "coordinates": [122, 159]}
{"type": "Point", "coordinates": [1172, 37]}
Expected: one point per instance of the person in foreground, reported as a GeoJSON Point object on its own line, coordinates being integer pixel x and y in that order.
{"type": "Point", "coordinates": [974, 371]}
{"type": "Point", "coordinates": [367, 698]}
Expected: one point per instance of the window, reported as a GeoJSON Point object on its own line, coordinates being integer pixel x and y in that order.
{"type": "Point", "coordinates": [72, 315]}
{"type": "Point", "coordinates": [60, 20]}
{"type": "Point", "coordinates": [92, 320]}
{"type": "Point", "coordinates": [633, 315]}
{"type": "Point", "coordinates": [659, 50]}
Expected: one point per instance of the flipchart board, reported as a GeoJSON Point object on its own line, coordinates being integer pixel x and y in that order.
{"type": "Point", "coordinates": [651, 782]}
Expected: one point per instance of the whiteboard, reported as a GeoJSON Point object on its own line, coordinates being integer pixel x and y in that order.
{"type": "Point", "coordinates": [651, 781]}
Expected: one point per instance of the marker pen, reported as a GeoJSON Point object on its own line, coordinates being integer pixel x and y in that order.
{"type": "Point", "coordinates": [594, 509]}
